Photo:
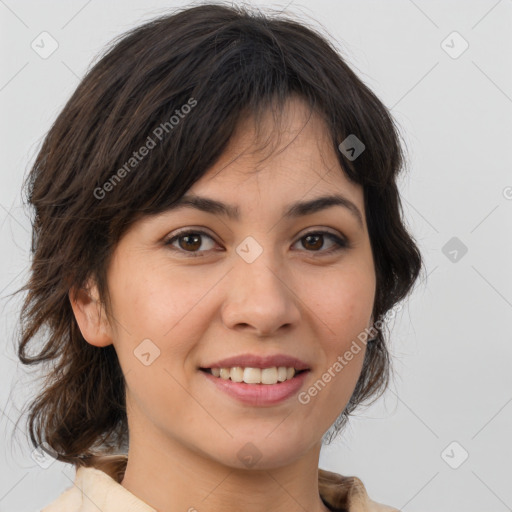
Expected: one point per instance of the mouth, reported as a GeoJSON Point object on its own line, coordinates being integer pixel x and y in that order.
{"type": "Point", "coordinates": [257, 387]}
{"type": "Point", "coordinates": [250, 375]}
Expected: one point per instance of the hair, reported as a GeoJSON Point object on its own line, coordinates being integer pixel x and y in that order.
{"type": "Point", "coordinates": [194, 74]}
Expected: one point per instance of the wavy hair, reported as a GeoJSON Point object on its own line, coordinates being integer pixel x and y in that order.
{"type": "Point", "coordinates": [232, 62]}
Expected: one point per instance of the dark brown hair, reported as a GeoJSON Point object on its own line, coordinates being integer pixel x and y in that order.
{"type": "Point", "coordinates": [224, 63]}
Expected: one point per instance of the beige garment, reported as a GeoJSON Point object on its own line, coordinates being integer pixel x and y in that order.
{"type": "Point", "coordinates": [98, 489]}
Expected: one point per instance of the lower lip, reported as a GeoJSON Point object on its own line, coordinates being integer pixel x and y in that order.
{"type": "Point", "coordinates": [259, 394]}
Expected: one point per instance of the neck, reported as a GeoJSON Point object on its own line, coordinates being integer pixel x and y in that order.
{"type": "Point", "coordinates": [169, 477]}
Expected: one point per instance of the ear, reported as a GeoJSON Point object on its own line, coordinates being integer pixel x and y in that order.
{"type": "Point", "coordinates": [90, 315]}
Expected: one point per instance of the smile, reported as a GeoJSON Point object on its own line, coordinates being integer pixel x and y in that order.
{"type": "Point", "coordinates": [251, 375]}
{"type": "Point", "coordinates": [264, 388]}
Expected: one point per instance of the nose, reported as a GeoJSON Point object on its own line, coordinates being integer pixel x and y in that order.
{"type": "Point", "coordinates": [263, 297]}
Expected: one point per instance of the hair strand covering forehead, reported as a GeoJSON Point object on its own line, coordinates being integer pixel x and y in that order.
{"type": "Point", "coordinates": [148, 120]}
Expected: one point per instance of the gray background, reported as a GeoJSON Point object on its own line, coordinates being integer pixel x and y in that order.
{"type": "Point", "coordinates": [452, 343]}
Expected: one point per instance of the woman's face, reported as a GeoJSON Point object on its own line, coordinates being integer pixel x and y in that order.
{"type": "Point", "coordinates": [260, 285]}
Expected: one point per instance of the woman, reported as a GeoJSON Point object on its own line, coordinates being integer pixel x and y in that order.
{"type": "Point", "coordinates": [217, 240]}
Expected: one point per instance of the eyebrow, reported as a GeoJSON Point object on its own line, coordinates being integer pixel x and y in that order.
{"type": "Point", "coordinates": [298, 209]}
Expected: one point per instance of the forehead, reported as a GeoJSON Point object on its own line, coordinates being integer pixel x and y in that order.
{"type": "Point", "coordinates": [283, 155]}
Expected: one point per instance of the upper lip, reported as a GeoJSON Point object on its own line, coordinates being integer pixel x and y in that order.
{"type": "Point", "coordinates": [258, 361]}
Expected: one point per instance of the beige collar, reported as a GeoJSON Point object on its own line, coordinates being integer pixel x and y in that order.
{"type": "Point", "coordinates": [98, 488]}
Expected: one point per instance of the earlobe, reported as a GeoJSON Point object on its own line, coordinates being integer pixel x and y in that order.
{"type": "Point", "coordinates": [90, 316]}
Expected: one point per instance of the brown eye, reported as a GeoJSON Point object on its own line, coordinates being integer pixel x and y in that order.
{"type": "Point", "coordinates": [314, 242]}
{"type": "Point", "coordinates": [188, 242]}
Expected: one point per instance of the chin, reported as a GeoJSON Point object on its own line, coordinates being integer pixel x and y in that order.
{"type": "Point", "coordinates": [264, 451]}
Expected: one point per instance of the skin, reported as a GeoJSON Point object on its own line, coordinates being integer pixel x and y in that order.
{"type": "Point", "coordinates": [295, 298]}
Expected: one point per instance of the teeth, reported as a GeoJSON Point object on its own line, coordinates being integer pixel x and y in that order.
{"type": "Point", "coordinates": [236, 374]}
{"type": "Point", "coordinates": [255, 375]}
{"type": "Point", "coordinates": [252, 375]}
{"type": "Point", "coordinates": [269, 376]}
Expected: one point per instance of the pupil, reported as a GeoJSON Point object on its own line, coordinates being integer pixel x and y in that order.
{"type": "Point", "coordinates": [187, 239]}
{"type": "Point", "coordinates": [318, 245]}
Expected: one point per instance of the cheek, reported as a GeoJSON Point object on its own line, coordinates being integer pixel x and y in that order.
{"type": "Point", "coordinates": [343, 300]}
{"type": "Point", "coordinates": [159, 303]}
{"type": "Point", "coordinates": [158, 314]}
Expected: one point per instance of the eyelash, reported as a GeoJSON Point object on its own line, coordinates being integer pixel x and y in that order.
{"type": "Point", "coordinates": [340, 243]}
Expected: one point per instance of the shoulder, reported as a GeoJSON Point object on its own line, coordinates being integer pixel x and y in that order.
{"type": "Point", "coordinates": [95, 489]}
{"type": "Point", "coordinates": [69, 501]}
{"type": "Point", "coordinates": [95, 480]}
{"type": "Point", "coordinates": [349, 493]}
{"type": "Point", "coordinates": [90, 482]}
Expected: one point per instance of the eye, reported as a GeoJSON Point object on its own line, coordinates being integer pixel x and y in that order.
{"type": "Point", "coordinates": [189, 241]}
{"type": "Point", "coordinates": [315, 239]}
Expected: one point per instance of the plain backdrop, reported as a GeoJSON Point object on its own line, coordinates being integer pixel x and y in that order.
{"type": "Point", "coordinates": [440, 437]}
